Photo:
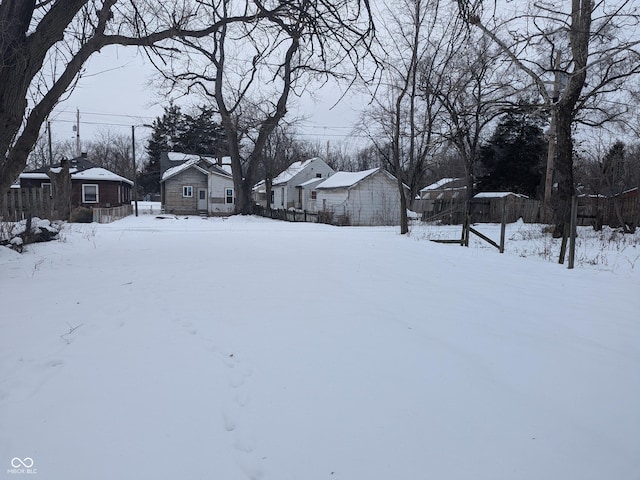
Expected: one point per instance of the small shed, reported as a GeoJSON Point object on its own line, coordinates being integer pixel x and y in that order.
{"type": "Point", "coordinates": [445, 189]}
{"type": "Point", "coordinates": [369, 197]}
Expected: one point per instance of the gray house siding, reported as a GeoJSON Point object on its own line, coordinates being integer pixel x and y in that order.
{"type": "Point", "coordinates": [175, 201]}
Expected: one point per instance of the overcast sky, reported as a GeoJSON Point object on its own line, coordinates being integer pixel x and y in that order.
{"type": "Point", "coordinates": [115, 93]}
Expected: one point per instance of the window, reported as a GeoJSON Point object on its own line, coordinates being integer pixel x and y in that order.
{"type": "Point", "coordinates": [46, 189]}
{"type": "Point", "coordinates": [271, 196]}
{"type": "Point", "coordinates": [314, 195]}
{"type": "Point", "coordinates": [89, 193]}
{"type": "Point", "coordinates": [187, 191]}
{"type": "Point", "coordinates": [228, 195]}
{"type": "Point", "coordinates": [318, 175]}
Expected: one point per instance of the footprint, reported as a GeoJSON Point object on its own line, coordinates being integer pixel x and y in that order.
{"type": "Point", "coordinates": [229, 423]}
{"type": "Point", "coordinates": [241, 398]}
{"type": "Point", "coordinates": [244, 445]}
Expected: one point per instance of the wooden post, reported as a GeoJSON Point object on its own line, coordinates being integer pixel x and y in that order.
{"type": "Point", "coordinates": [503, 224]}
{"type": "Point", "coordinates": [573, 233]}
{"type": "Point", "coordinates": [563, 245]}
{"type": "Point", "coordinates": [135, 176]}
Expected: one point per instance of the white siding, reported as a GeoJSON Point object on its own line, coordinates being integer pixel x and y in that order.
{"type": "Point", "coordinates": [286, 196]}
{"type": "Point", "coordinates": [374, 201]}
{"type": "Point", "coordinates": [217, 198]}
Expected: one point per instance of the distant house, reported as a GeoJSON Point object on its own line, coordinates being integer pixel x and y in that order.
{"type": "Point", "coordinates": [445, 189]}
{"type": "Point", "coordinates": [91, 186]}
{"type": "Point", "coordinates": [196, 184]}
{"type": "Point", "coordinates": [284, 188]}
{"type": "Point", "coordinates": [369, 197]}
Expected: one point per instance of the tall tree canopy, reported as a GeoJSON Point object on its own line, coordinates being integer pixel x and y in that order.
{"type": "Point", "coordinates": [513, 159]}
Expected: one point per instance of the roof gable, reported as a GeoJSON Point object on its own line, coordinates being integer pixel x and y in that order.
{"type": "Point", "coordinates": [346, 179]}
{"type": "Point", "coordinates": [203, 164]}
{"type": "Point", "coordinates": [291, 171]}
{"type": "Point", "coordinates": [445, 183]}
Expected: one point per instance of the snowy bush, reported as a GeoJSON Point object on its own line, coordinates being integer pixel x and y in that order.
{"type": "Point", "coordinates": [15, 234]}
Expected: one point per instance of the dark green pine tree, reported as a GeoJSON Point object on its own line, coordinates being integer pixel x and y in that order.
{"type": "Point", "coordinates": [514, 158]}
{"type": "Point", "coordinates": [166, 136]}
{"type": "Point", "coordinates": [202, 135]}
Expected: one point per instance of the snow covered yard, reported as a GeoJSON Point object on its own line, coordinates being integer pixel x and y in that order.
{"type": "Point", "coordinates": [254, 349]}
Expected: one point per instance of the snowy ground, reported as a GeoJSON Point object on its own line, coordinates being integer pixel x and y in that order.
{"type": "Point", "coordinates": [248, 348]}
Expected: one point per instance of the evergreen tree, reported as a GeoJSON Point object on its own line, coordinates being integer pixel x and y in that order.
{"type": "Point", "coordinates": [201, 134]}
{"type": "Point", "coordinates": [515, 156]}
{"type": "Point", "coordinates": [167, 131]}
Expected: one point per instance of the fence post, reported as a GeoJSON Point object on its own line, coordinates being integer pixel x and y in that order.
{"type": "Point", "coordinates": [503, 224]}
{"type": "Point", "coordinates": [573, 233]}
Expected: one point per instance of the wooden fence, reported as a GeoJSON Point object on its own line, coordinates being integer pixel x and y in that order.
{"type": "Point", "coordinates": [598, 211]}
{"type": "Point", "coordinates": [108, 215]}
{"type": "Point", "coordinates": [288, 215]}
{"type": "Point", "coordinates": [483, 210]}
{"type": "Point", "coordinates": [594, 211]}
{"type": "Point", "coordinates": [20, 203]}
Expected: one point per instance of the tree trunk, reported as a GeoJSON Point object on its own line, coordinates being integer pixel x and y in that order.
{"type": "Point", "coordinates": [61, 186]}
{"type": "Point", "coordinates": [404, 221]}
{"type": "Point", "coordinates": [563, 170]}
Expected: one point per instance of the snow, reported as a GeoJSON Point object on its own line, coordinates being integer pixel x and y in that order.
{"type": "Point", "coordinates": [91, 174]}
{"type": "Point", "coordinates": [189, 161]}
{"type": "Point", "coordinates": [170, 172]}
{"type": "Point", "coordinates": [346, 179]}
{"type": "Point", "coordinates": [498, 195]}
{"type": "Point", "coordinates": [438, 184]}
{"type": "Point", "coordinates": [199, 348]}
{"type": "Point", "coordinates": [291, 171]}
{"type": "Point", "coordinates": [99, 173]}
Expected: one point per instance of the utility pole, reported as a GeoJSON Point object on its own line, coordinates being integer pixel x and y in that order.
{"type": "Point", "coordinates": [135, 176]}
{"type": "Point", "coordinates": [551, 153]}
{"type": "Point", "coordinates": [78, 150]}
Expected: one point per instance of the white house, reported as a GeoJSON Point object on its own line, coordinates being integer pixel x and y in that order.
{"type": "Point", "coordinates": [369, 197]}
{"type": "Point", "coordinates": [284, 191]}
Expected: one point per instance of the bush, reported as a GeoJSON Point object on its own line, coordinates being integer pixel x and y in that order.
{"type": "Point", "coordinates": [81, 215]}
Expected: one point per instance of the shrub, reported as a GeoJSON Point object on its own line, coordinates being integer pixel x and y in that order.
{"type": "Point", "coordinates": [81, 215]}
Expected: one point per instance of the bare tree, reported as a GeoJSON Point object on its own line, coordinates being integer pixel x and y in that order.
{"type": "Point", "coordinates": [473, 89]}
{"type": "Point", "coordinates": [252, 70]}
{"type": "Point", "coordinates": [591, 48]}
{"type": "Point", "coordinates": [401, 122]}
{"type": "Point", "coordinates": [113, 151]}
{"type": "Point", "coordinates": [44, 45]}
{"type": "Point", "coordinates": [280, 150]}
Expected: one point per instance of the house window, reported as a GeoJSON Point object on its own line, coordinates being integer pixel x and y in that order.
{"type": "Point", "coordinates": [89, 193]}
{"type": "Point", "coordinates": [228, 195]}
{"type": "Point", "coordinates": [187, 191]}
{"type": "Point", "coordinates": [271, 196]}
{"type": "Point", "coordinates": [314, 195]}
{"type": "Point", "coordinates": [318, 175]}
{"type": "Point", "coordinates": [46, 189]}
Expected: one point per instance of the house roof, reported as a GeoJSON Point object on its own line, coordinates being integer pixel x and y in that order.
{"type": "Point", "coordinates": [498, 195]}
{"type": "Point", "coordinates": [80, 168]}
{"type": "Point", "coordinates": [442, 183]}
{"type": "Point", "coordinates": [291, 171]}
{"type": "Point", "coordinates": [169, 160]}
{"type": "Point", "coordinates": [99, 173]}
{"type": "Point", "coordinates": [193, 161]}
{"type": "Point", "coordinates": [346, 179]}
{"type": "Point", "coordinates": [311, 181]}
